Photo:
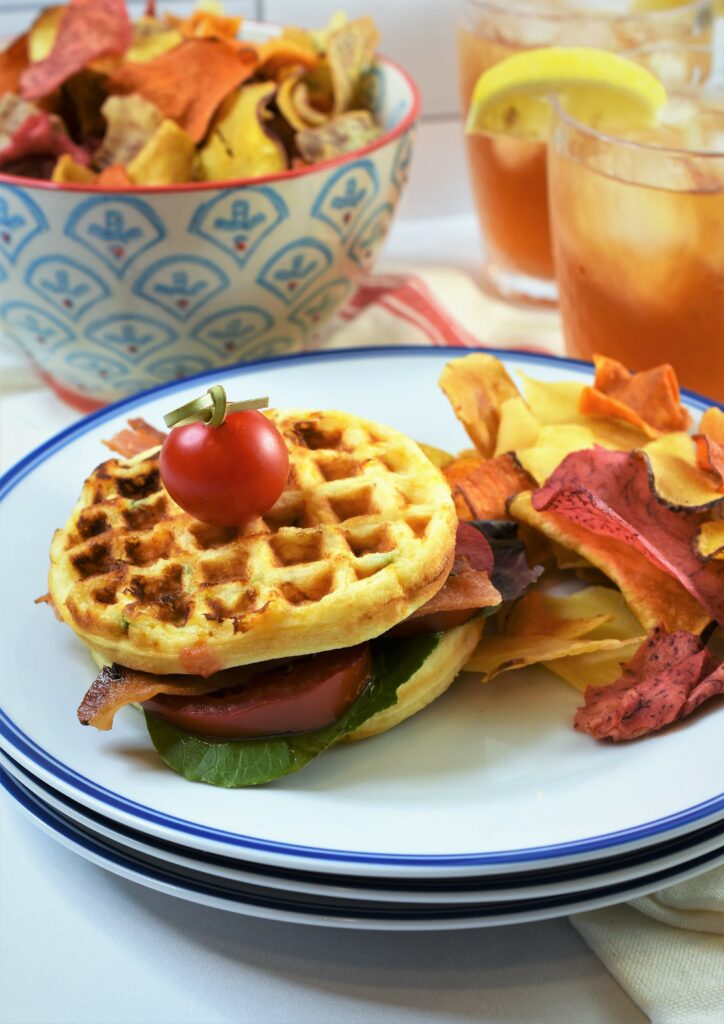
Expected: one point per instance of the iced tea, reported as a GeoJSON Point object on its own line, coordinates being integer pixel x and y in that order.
{"type": "Point", "coordinates": [639, 242]}
{"type": "Point", "coordinates": [508, 176]}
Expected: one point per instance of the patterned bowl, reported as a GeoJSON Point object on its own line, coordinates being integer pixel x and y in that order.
{"type": "Point", "coordinates": [110, 293]}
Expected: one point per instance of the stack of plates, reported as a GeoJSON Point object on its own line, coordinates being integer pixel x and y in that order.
{"type": "Point", "coordinates": [487, 808]}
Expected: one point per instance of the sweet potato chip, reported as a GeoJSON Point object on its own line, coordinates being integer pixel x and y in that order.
{"type": "Point", "coordinates": [669, 676]}
{"type": "Point", "coordinates": [477, 386]}
{"type": "Point", "coordinates": [189, 82]}
{"type": "Point", "coordinates": [239, 143]}
{"type": "Point", "coordinates": [350, 50]}
{"type": "Point", "coordinates": [113, 177]}
{"type": "Point", "coordinates": [14, 60]}
{"type": "Point", "coordinates": [25, 131]}
{"type": "Point", "coordinates": [710, 540]}
{"type": "Point", "coordinates": [207, 24]}
{"type": "Point", "coordinates": [87, 30]}
{"type": "Point", "coordinates": [67, 170]}
{"type": "Point", "coordinates": [339, 135]}
{"type": "Point", "coordinates": [648, 400]}
{"type": "Point", "coordinates": [284, 52]}
{"type": "Point", "coordinates": [166, 159]}
{"type": "Point", "coordinates": [709, 441]}
{"type": "Point", "coordinates": [540, 628]}
{"type": "Point", "coordinates": [131, 121]}
{"type": "Point", "coordinates": [486, 486]}
{"type": "Point", "coordinates": [677, 478]}
{"type": "Point", "coordinates": [654, 596]}
{"type": "Point", "coordinates": [610, 494]}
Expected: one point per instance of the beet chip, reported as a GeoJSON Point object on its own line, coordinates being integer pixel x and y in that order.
{"type": "Point", "coordinates": [89, 29]}
{"type": "Point", "coordinates": [648, 400]}
{"type": "Point", "coordinates": [26, 131]}
{"type": "Point", "coordinates": [610, 494]}
{"type": "Point", "coordinates": [669, 676]}
{"type": "Point", "coordinates": [189, 82]}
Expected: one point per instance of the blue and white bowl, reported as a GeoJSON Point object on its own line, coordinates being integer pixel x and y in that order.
{"type": "Point", "coordinates": [110, 293]}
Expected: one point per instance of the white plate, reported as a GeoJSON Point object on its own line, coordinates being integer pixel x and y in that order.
{"type": "Point", "coordinates": [589, 875]}
{"type": "Point", "coordinates": [489, 779]}
{"type": "Point", "coordinates": [259, 902]}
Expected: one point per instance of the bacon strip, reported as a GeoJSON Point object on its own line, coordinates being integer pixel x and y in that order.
{"type": "Point", "coordinates": [138, 437]}
{"type": "Point", "coordinates": [468, 585]}
{"type": "Point", "coordinates": [117, 686]}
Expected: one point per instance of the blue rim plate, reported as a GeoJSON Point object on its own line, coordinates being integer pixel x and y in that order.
{"type": "Point", "coordinates": [568, 879]}
{"type": "Point", "coordinates": [299, 908]}
{"type": "Point", "coordinates": [498, 789]}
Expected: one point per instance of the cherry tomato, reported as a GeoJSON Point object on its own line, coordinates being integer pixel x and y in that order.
{"type": "Point", "coordinates": [434, 622]}
{"type": "Point", "coordinates": [302, 695]}
{"type": "Point", "coordinates": [225, 475]}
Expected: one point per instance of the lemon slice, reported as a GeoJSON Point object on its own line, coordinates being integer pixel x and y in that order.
{"type": "Point", "coordinates": [602, 89]}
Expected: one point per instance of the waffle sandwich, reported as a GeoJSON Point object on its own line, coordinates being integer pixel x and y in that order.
{"type": "Point", "coordinates": [362, 539]}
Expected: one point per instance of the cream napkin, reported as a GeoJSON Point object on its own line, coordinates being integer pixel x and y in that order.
{"type": "Point", "coordinates": [666, 950]}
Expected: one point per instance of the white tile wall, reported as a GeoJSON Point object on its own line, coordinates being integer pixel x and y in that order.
{"type": "Point", "coordinates": [16, 15]}
{"type": "Point", "coordinates": [416, 33]}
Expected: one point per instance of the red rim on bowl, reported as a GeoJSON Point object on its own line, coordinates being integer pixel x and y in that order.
{"type": "Point", "coordinates": [198, 186]}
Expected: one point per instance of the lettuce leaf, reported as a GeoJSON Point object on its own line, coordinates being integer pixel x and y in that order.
{"type": "Point", "coordinates": [511, 574]}
{"type": "Point", "coordinates": [233, 763]}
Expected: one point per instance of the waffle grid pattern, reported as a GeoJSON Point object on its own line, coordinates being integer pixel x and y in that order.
{"type": "Point", "coordinates": [362, 535]}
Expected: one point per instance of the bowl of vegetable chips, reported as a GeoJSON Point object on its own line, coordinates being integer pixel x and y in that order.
{"type": "Point", "coordinates": [179, 194]}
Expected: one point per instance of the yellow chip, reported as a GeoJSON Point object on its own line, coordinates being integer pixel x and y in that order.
{"type": "Point", "coordinates": [518, 428]}
{"type": "Point", "coordinates": [239, 145]}
{"type": "Point", "coordinates": [350, 50]}
{"type": "Point", "coordinates": [130, 122]}
{"type": "Point", "coordinates": [710, 539]}
{"type": "Point", "coordinates": [595, 668]}
{"type": "Point", "coordinates": [68, 171]}
{"type": "Point", "coordinates": [43, 31]}
{"type": "Point", "coordinates": [151, 38]}
{"type": "Point", "coordinates": [552, 401]}
{"type": "Point", "coordinates": [677, 477]}
{"type": "Point", "coordinates": [166, 159]}
{"type": "Point", "coordinates": [477, 386]}
{"type": "Point", "coordinates": [541, 627]}
{"type": "Point", "coordinates": [437, 456]}
{"type": "Point", "coordinates": [341, 134]}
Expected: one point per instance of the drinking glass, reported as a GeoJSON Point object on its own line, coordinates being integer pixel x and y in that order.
{"type": "Point", "coordinates": [638, 230]}
{"type": "Point", "coordinates": [508, 176]}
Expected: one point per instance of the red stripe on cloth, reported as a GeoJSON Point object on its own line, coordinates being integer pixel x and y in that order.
{"type": "Point", "coordinates": [410, 299]}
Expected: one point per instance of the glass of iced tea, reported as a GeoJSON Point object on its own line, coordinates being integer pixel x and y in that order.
{"type": "Point", "coordinates": [508, 175]}
{"type": "Point", "coordinates": [638, 230]}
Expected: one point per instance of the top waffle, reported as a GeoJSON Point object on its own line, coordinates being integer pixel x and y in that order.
{"type": "Point", "coordinates": [362, 535]}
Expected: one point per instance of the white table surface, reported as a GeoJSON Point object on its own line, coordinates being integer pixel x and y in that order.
{"type": "Point", "coordinates": [78, 944]}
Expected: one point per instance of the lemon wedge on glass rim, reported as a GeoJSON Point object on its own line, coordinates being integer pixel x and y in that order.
{"type": "Point", "coordinates": [602, 89]}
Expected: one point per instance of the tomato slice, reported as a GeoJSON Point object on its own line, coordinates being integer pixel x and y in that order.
{"type": "Point", "coordinates": [300, 696]}
{"type": "Point", "coordinates": [435, 622]}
